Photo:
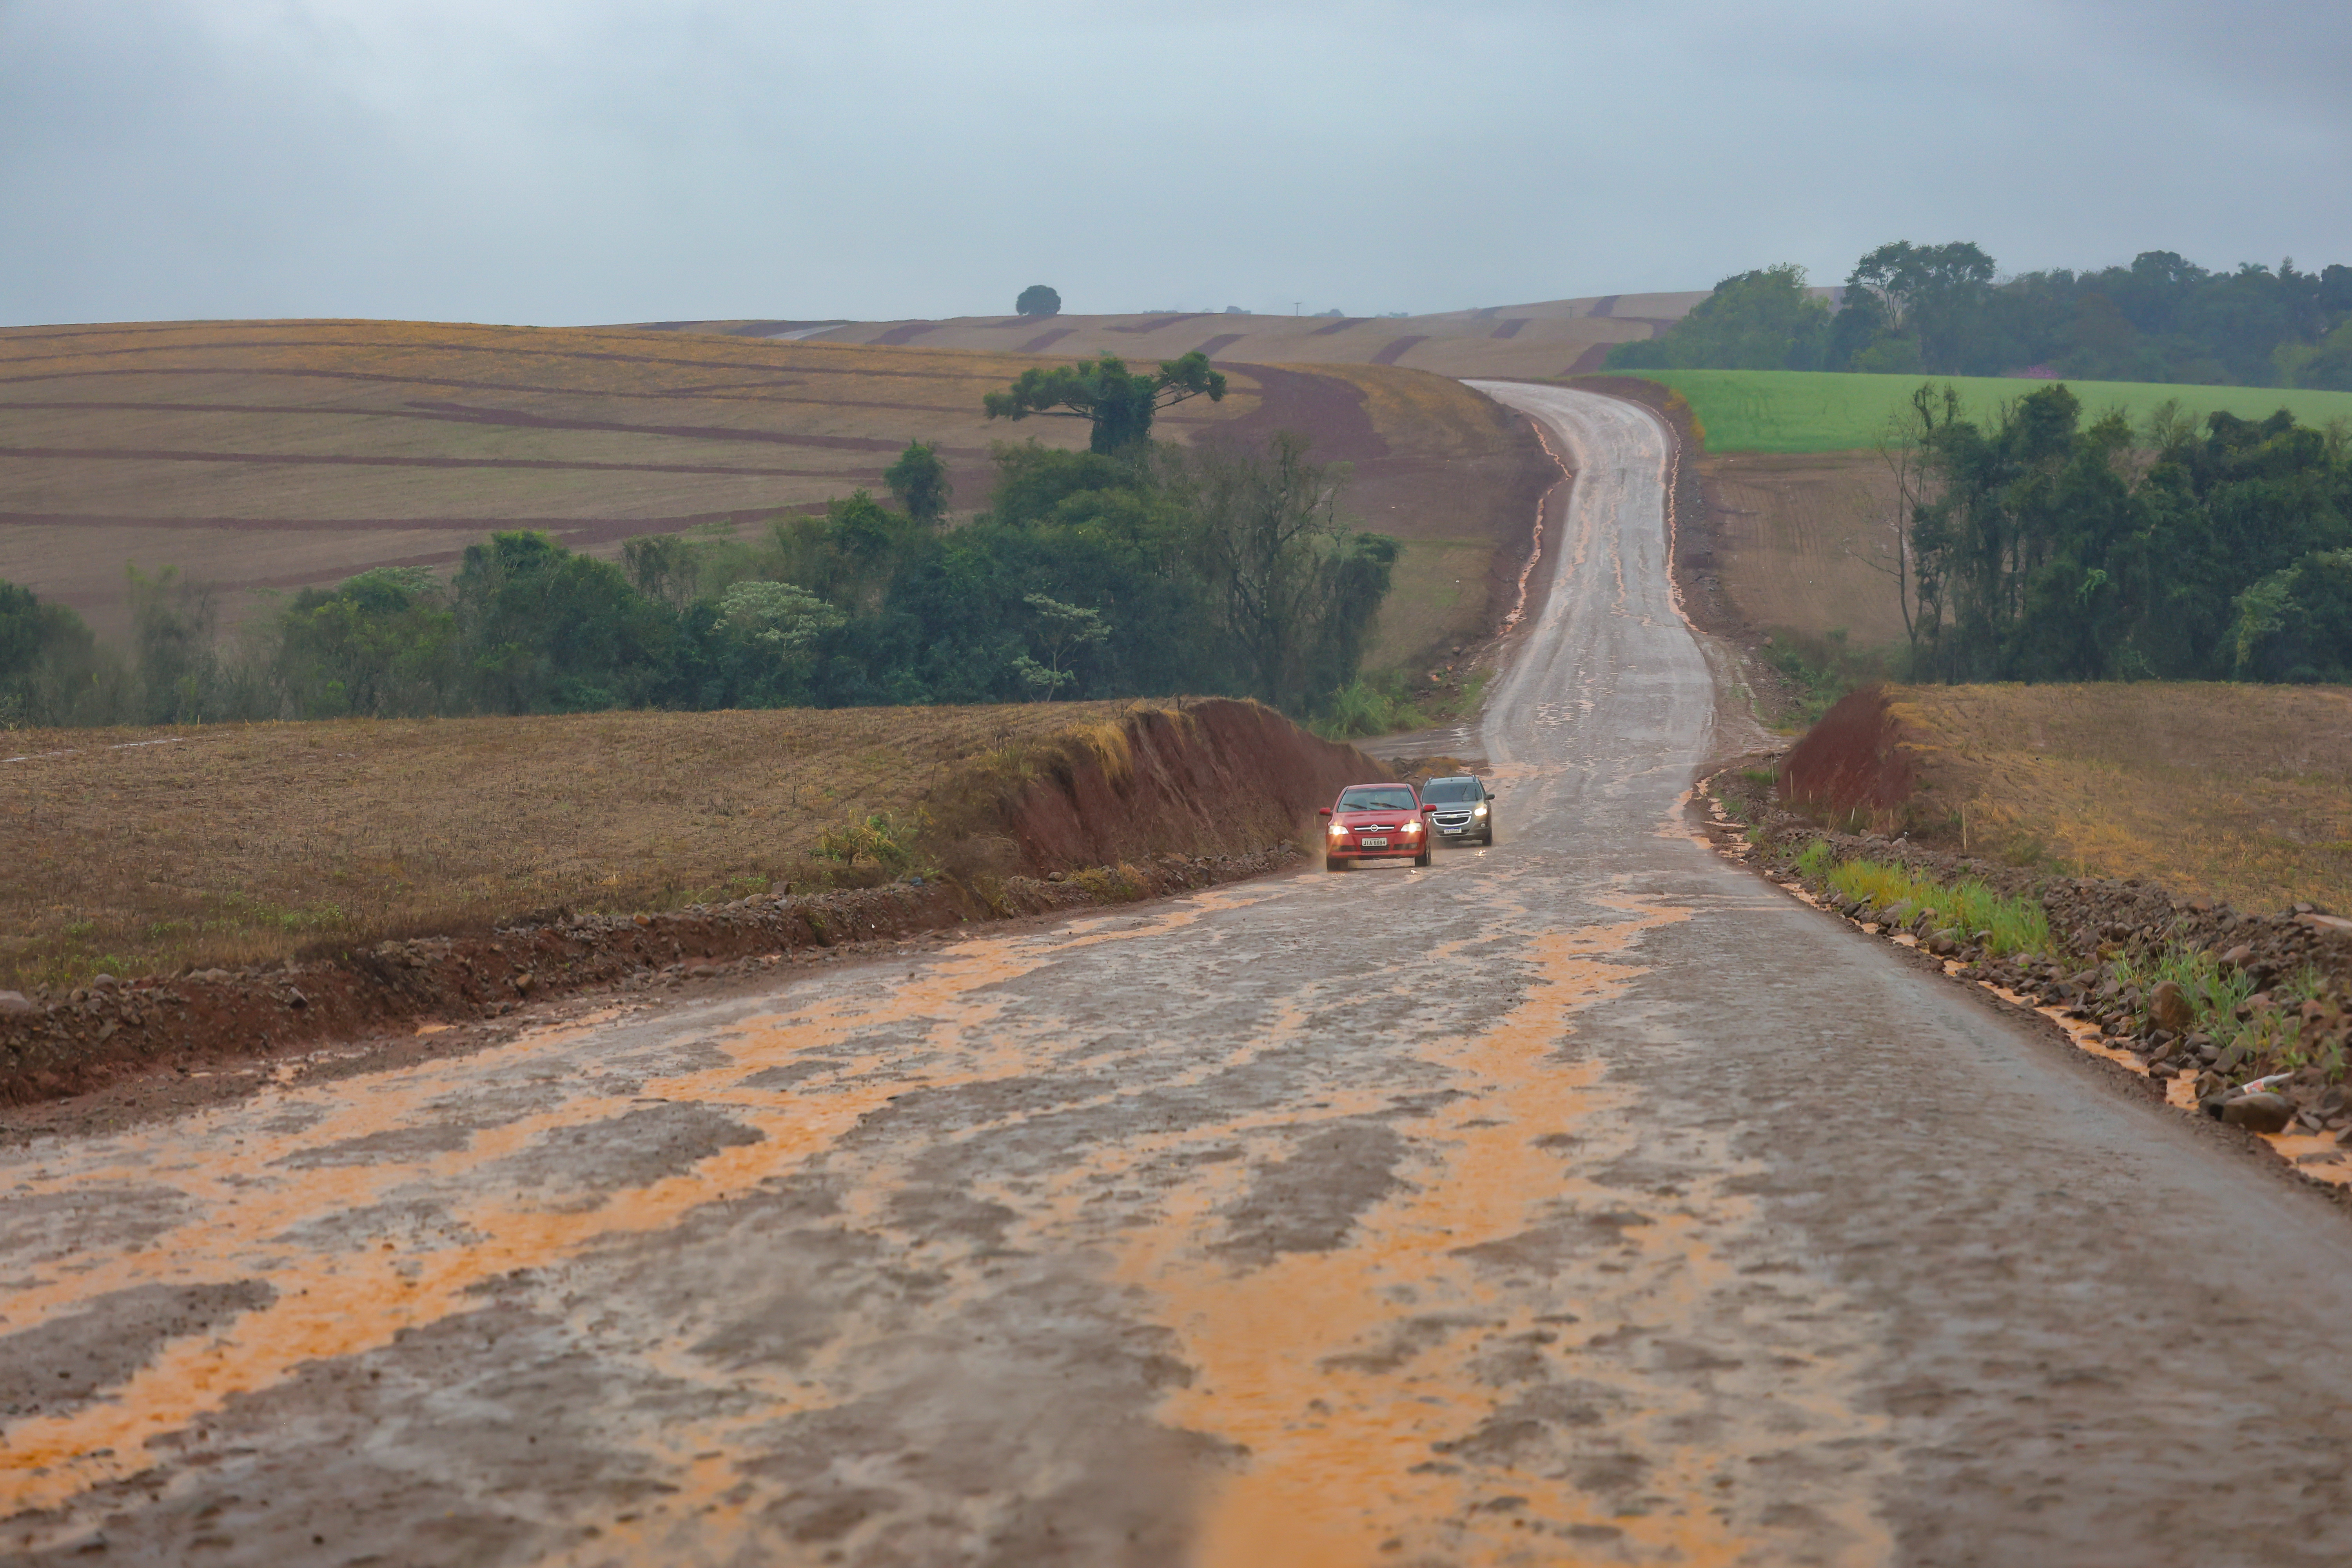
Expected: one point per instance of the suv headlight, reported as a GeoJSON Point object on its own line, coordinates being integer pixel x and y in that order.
{"type": "Point", "coordinates": [1479, 809]}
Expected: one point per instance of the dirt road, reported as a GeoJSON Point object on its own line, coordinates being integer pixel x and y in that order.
{"type": "Point", "coordinates": [1585, 1200]}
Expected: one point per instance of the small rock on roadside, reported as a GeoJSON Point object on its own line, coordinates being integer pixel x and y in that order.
{"type": "Point", "coordinates": [2259, 1112]}
{"type": "Point", "coordinates": [2168, 1007]}
{"type": "Point", "coordinates": [14, 1005]}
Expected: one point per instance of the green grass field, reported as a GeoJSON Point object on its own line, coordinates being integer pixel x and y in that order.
{"type": "Point", "coordinates": [1825, 411]}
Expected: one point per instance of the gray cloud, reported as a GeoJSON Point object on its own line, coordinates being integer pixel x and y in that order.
{"type": "Point", "coordinates": [602, 161]}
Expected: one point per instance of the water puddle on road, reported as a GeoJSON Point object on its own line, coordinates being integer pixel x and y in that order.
{"type": "Point", "coordinates": [1485, 1370]}
{"type": "Point", "coordinates": [309, 1189]}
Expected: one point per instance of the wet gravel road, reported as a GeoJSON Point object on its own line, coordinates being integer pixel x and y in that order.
{"type": "Point", "coordinates": [1581, 1200]}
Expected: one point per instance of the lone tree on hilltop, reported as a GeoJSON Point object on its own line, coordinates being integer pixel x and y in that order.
{"type": "Point", "coordinates": [920, 480]}
{"type": "Point", "coordinates": [1117, 401]}
{"type": "Point", "coordinates": [1038, 300]}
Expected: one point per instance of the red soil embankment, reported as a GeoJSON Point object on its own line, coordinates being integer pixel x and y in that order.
{"type": "Point", "coordinates": [1161, 801]}
{"type": "Point", "coordinates": [1853, 763]}
{"type": "Point", "coordinates": [1215, 778]}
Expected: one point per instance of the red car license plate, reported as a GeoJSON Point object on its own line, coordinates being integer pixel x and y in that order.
{"type": "Point", "coordinates": [1375, 843]}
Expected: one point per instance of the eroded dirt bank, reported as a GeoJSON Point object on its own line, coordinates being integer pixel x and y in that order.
{"type": "Point", "coordinates": [1164, 800]}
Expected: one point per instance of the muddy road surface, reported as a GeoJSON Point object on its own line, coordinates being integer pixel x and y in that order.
{"type": "Point", "coordinates": [1581, 1200]}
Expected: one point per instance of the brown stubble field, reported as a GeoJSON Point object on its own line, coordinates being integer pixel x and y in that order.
{"type": "Point", "coordinates": [1799, 540]}
{"type": "Point", "coordinates": [1548, 338]}
{"type": "Point", "coordinates": [240, 844]}
{"type": "Point", "coordinates": [2239, 793]}
{"type": "Point", "coordinates": [262, 457]}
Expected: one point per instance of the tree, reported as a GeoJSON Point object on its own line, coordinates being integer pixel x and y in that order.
{"type": "Point", "coordinates": [1908, 447]}
{"type": "Point", "coordinates": [1062, 630]}
{"type": "Point", "coordinates": [1292, 585]}
{"type": "Point", "coordinates": [1037, 301]}
{"type": "Point", "coordinates": [782, 616]}
{"type": "Point", "coordinates": [20, 629]}
{"type": "Point", "coordinates": [919, 481]}
{"type": "Point", "coordinates": [1934, 295]}
{"type": "Point", "coordinates": [1762, 320]}
{"type": "Point", "coordinates": [1118, 403]}
{"type": "Point", "coordinates": [662, 567]}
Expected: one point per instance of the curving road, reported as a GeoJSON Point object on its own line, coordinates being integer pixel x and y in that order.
{"type": "Point", "coordinates": [1585, 1200]}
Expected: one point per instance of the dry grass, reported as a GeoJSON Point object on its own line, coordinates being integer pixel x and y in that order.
{"type": "Point", "coordinates": [2239, 793]}
{"type": "Point", "coordinates": [1796, 538]}
{"type": "Point", "coordinates": [238, 844]}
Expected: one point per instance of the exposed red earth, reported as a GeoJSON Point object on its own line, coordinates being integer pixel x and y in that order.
{"type": "Point", "coordinates": [1853, 761]}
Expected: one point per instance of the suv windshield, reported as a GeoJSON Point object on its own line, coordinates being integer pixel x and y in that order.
{"type": "Point", "coordinates": [1449, 792]}
{"type": "Point", "coordinates": [1376, 800]}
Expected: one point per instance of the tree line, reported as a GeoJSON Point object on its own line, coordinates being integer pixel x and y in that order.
{"type": "Point", "coordinates": [1941, 310]}
{"type": "Point", "coordinates": [2036, 546]}
{"type": "Point", "coordinates": [1132, 568]}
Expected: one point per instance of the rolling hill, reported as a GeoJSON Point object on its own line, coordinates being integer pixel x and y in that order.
{"type": "Point", "coordinates": [267, 456]}
{"type": "Point", "coordinates": [1555, 337]}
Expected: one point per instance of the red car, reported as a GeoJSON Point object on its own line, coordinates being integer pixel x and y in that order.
{"type": "Point", "coordinates": [1375, 822]}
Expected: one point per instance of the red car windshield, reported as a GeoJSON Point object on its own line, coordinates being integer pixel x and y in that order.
{"type": "Point", "coordinates": [1389, 799]}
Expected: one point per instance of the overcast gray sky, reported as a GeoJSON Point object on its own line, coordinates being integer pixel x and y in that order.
{"type": "Point", "coordinates": [621, 160]}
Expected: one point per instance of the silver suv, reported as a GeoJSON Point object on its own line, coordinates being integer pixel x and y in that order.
{"type": "Point", "coordinates": [1465, 809]}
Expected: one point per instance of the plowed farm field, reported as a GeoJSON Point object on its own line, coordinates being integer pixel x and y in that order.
{"type": "Point", "coordinates": [1803, 542]}
{"type": "Point", "coordinates": [267, 456]}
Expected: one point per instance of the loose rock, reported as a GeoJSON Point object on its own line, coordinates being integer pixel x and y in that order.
{"type": "Point", "coordinates": [2259, 1112]}
{"type": "Point", "coordinates": [2168, 1007]}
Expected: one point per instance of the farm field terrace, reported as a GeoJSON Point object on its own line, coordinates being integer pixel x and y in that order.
{"type": "Point", "coordinates": [1831, 411]}
{"type": "Point", "coordinates": [140, 850]}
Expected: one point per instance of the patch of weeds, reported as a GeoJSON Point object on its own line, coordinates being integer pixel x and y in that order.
{"type": "Point", "coordinates": [2006, 925]}
{"type": "Point", "coordinates": [2268, 1040]}
{"type": "Point", "coordinates": [878, 839]}
{"type": "Point", "coordinates": [1814, 859]}
{"type": "Point", "coordinates": [78, 930]}
{"type": "Point", "coordinates": [1112, 884]}
{"type": "Point", "coordinates": [2214, 994]}
{"type": "Point", "coordinates": [1377, 706]}
{"type": "Point", "coordinates": [1763, 778]}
